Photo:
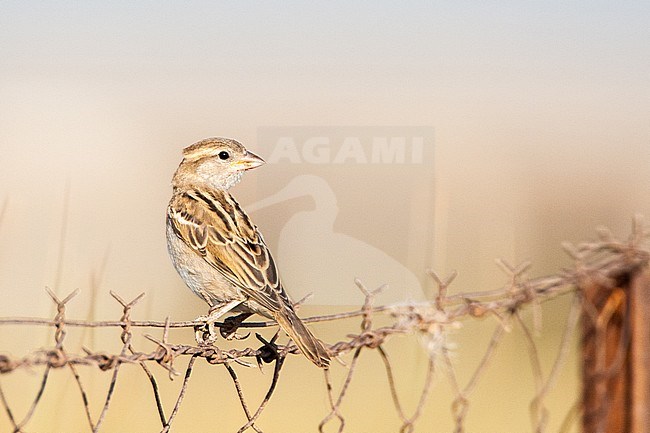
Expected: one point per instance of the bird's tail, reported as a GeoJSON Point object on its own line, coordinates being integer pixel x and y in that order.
{"type": "Point", "coordinates": [308, 344]}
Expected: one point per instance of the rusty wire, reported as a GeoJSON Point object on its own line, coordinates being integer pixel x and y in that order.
{"type": "Point", "coordinates": [603, 262]}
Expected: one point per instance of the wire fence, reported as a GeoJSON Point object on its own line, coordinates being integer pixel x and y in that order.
{"type": "Point", "coordinates": [602, 264]}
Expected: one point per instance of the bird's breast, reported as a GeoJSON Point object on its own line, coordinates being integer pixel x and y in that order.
{"type": "Point", "coordinates": [204, 280]}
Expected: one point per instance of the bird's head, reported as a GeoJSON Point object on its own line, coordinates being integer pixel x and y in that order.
{"type": "Point", "coordinates": [217, 162]}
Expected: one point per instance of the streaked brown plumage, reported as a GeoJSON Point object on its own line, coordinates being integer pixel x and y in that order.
{"type": "Point", "coordinates": [218, 251]}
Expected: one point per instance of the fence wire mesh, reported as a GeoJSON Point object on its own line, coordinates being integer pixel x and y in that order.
{"type": "Point", "coordinates": [602, 264]}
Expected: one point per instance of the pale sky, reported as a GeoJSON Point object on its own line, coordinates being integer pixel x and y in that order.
{"type": "Point", "coordinates": [533, 105]}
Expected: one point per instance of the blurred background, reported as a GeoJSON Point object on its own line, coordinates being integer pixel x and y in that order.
{"type": "Point", "coordinates": [522, 125]}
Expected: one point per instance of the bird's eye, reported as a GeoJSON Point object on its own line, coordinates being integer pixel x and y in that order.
{"type": "Point", "coordinates": [224, 155]}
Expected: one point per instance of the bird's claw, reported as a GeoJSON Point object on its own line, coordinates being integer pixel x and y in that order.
{"type": "Point", "coordinates": [230, 326]}
{"type": "Point", "coordinates": [235, 336]}
{"type": "Point", "coordinates": [205, 334]}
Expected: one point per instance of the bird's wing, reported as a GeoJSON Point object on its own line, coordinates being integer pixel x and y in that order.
{"type": "Point", "coordinates": [215, 227]}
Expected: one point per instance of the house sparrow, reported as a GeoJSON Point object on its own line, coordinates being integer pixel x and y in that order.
{"type": "Point", "coordinates": [219, 252]}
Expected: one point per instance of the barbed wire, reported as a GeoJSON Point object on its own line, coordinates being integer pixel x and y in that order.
{"type": "Point", "coordinates": [604, 263]}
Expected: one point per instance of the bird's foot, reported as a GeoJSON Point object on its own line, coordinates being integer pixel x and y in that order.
{"type": "Point", "coordinates": [230, 326]}
{"type": "Point", "coordinates": [205, 334]}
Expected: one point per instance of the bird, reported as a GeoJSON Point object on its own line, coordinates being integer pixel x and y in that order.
{"type": "Point", "coordinates": [217, 250]}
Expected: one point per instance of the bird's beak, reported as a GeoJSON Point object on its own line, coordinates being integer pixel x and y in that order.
{"type": "Point", "coordinates": [248, 161]}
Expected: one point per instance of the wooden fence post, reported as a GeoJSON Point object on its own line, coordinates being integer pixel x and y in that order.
{"type": "Point", "coordinates": [640, 352]}
{"type": "Point", "coordinates": [616, 355]}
